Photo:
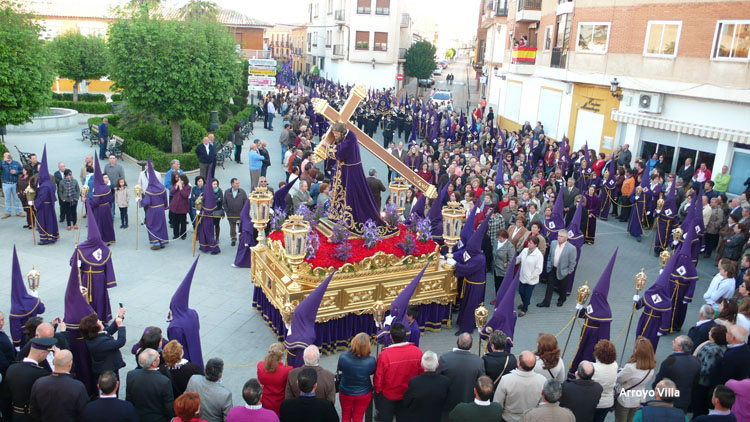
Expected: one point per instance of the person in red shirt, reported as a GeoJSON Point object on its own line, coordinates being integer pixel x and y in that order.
{"type": "Point", "coordinates": [598, 165]}
{"type": "Point", "coordinates": [397, 364]}
{"type": "Point", "coordinates": [272, 374]}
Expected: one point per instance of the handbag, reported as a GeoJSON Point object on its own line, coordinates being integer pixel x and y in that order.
{"type": "Point", "coordinates": [619, 390]}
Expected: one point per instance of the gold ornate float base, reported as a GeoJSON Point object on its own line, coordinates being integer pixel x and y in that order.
{"type": "Point", "coordinates": [356, 286]}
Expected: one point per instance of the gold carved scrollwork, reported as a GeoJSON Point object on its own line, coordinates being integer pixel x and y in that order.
{"type": "Point", "coordinates": [360, 296]}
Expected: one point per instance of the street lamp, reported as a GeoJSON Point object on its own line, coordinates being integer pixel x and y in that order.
{"type": "Point", "coordinates": [453, 218]}
{"type": "Point", "coordinates": [260, 205]}
{"type": "Point", "coordinates": [295, 242]}
{"type": "Point", "coordinates": [614, 88]}
{"type": "Point", "coordinates": [398, 188]}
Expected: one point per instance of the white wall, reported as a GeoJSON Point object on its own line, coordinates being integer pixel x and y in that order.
{"type": "Point", "coordinates": [383, 76]}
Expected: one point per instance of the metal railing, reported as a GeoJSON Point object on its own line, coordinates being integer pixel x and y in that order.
{"type": "Point", "coordinates": [558, 58]}
{"type": "Point", "coordinates": [338, 50]}
{"type": "Point", "coordinates": [256, 54]}
{"type": "Point", "coordinates": [529, 5]}
{"type": "Point", "coordinates": [339, 15]}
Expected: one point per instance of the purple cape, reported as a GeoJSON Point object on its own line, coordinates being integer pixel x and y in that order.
{"type": "Point", "coordinates": [22, 305]}
{"type": "Point", "coordinates": [657, 307]}
{"type": "Point", "coordinates": [301, 332]}
{"type": "Point", "coordinates": [154, 201]}
{"type": "Point", "coordinates": [76, 308]}
{"type": "Point", "coordinates": [475, 273]}
{"type": "Point", "coordinates": [44, 204]}
{"type": "Point", "coordinates": [398, 309]}
{"type": "Point", "coordinates": [206, 235]}
{"type": "Point", "coordinates": [682, 283]}
{"type": "Point", "coordinates": [101, 206]}
{"type": "Point", "coordinates": [575, 237]}
{"type": "Point", "coordinates": [248, 238]}
{"type": "Point", "coordinates": [352, 203]}
{"type": "Point", "coordinates": [505, 316]}
{"type": "Point", "coordinates": [185, 325]}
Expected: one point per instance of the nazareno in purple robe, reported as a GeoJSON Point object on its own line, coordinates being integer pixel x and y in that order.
{"type": "Point", "coordinates": [607, 192]}
{"type": "Point", "coordinates": [474, 271]}
{"type": "Point", "coordinates": [665, 220]}
{"type": "Point", "coordinates": [504, 318]}
{"type": "Point", "coordinates": [76, 308]}
{"type": "Point", "coordinates": [154, 202]}
{"type": "Point", "coordinates": [592, 207]}
{"type": "Point", "coordinates": [575, 237]}
{"type": "Point", "coordinates": [185, 325]}
{"type": "Point", "coordinates": [301, 332]}
{"type": "Point", "coordinates": [22, 305]}
{"type": "Point", "coordinates": [399, 306]}
{"type": "Point", "coordinates": [597, 319]}
{"type": "Point", "coordinates": [637, 214]}
{"type": "Point", "coordinates": [682, 282]}
{"type": "Point", "coordinates": [97, 273]}
{"type": "Point", "coordinates": [206, 235]}
{"type": "Point", "coordinates": [101, 207]}
{"type": "Point", "coordinates": [352, 203]}
{"type": "Point", "coordinates": [248, 238]}
{"type": "Point", "coordinates": [44, 205]}
{"type": "Point", "coordinates": [657, 307]}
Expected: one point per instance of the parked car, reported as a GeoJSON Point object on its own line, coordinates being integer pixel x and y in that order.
{"type": "Point", "coordinates": [438, 71]}
{"type": "Point", "coordinates": [442, 99]}
{"type": "Point", "coordinates": [443, 64]}
{"type": "Point", "coordinates": [426, 83]}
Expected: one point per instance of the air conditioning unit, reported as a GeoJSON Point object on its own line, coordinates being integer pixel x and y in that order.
{"type": "Point", "coordinates": [650, 102]}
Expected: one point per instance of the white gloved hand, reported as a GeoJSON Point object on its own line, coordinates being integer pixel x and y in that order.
{"type": "Point", "coordinates": [288, 329]}
{"type": "Point", "coordinates": [659, 334]}
{"type": "Point", "coordinates": [579, 306]}
{"type": "Point", "coordinates": [31, 202]}
{"type": "Point", "coordinates": [636, 298]}
{"type": "Point", "coordinates": [648, 212]}
{"type": "Point", "coordinates": [389, 319]}
{"type": "Point", "coordinates": [685, 302]}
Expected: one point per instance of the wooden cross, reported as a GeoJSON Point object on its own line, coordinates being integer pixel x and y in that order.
{"type": "Point", "coordinates": [357, 94]}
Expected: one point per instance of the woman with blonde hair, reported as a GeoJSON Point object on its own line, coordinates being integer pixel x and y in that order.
{"type": "Point", "coordinates": [548, 361]}
{"type": "Point", "coordinates": [633, 380]}
{"type": "Point", "coordinates": [179, 369]}
{"type": "Point", "coordinates": [272, 374]}
{"type": "Point", "coordinates": [355, 389]}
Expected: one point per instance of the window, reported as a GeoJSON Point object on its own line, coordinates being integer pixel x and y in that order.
{"type": "Point", "coordinates": [330, 7]}
{"type": "Point", "coordinates": [382, 7]}
{"type": "Point", "coordinates": [363, 7]}
{"type": "Point", "coordinates": [309, 41]}
{"type": "Point", "coordinates": [547, 37]}
{"type": "Point", "coordinates": [732, 40]}
{"type": "Point", "coordinates": [662, 38]}
{"type": "Point", "coordinates": [329, 35]}
{"type": "Point", "coordinates": [381, 41]}
{"type": "Point", "coordinates": [362, 40]}
{"type": "Point", "coordinates": [315, 39]}
{"type": "Point", "coordinates": [593, 37]}
{"type": "Point", "coordinates": [322, 63]}
{"type": "Point", "coordinates": [317, 9]}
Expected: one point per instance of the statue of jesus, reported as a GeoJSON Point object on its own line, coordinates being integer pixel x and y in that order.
{"type": "Point", "coordinates": [352, 203]}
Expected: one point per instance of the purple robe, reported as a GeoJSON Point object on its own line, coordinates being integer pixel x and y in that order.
{"type": "Point", "coordinates": [575, 237]}
{"type": "Point", "coordinates": [414, 333]}
{"type": "Point", "coordinates": [665, 219]}
{"type": "Point", "coordinates": [22, 305]}
{"type": "Point", "coordinates": [592, 207]}
{"type": "Point", "coordinates": [248, 238]}
{"type": "Point", "coordinates": [185, 325]}
{"type": "Point", "coordinates": [206, 235]}
{"type": "Point", "coordinates": [472, 291]}
{"type": "Point", "coordinates": [101, 211]}
{"type": "Point", "coordinates": [76, 308]}
{"type": "Point", "coordinates": [682, 282]}
{"type": "Point", "coordinates": [44, 212]}
{"type": "Point", "coordinates": [398, 310]}
{"type": "Point", "coordinates": [637, 214]}
{"type": "Point", "coordinates": [657, 307]}
{"type": "Point", "coordinates": [352, 203]}
{"type": "Point", "coordinates": [96, 270]}
{"type": "Point", "coordinates": [413, 162]}
{"type": "Point", "coordinates": [154, 203]}
{"type": "Point", "coordinates": [606, 196]}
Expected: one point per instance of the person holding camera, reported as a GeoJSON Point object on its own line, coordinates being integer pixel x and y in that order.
{"type": "Point", "coordinates": [103, 347]}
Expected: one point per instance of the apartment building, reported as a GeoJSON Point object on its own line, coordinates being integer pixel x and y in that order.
{"type": "Point", "coordinates": [670, 77]}
{"type": "Point", "coordinates": [299, 36]}
{"type": "Point", "coordinates": [358, 41]}
{"type": "Point", "coordinates": [279, 41]}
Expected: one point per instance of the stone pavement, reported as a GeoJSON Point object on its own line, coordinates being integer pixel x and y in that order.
{"type": "Point", "coordinates": [230, 327]}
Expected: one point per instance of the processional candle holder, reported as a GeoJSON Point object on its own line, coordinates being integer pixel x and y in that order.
{"type": "Point", "coordinates": [138, 191]}
{"type": "Point", "coordinates": [582, 295]}
{"type": "Point", "coordinates": [287, 311]}
{"type": "Point", "coordinates": [30, 196]}
{"type": "Point", "coordinates": [453, 218]}
{"type": "Point", "coordinates": [260, 205]}
{"type": "Point", "coordinates": [295, 230]}
{"type": "Point", "coordinates": [639, 284]}
{"type": "Point", "coordinates": [664, 258]}
{"type": "Point", "coordinates": [480, 318]}
{"type": "Point", "coordinates": [398, 188]}
{"type": "Point", "coordinates": [32, 280]}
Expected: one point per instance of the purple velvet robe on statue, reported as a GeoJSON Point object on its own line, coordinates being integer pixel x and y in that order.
{"type": "Point", "coordinates": [76, 308]}
{"type": "Point", "coordinates": [248, 238]}
{"type": "Point", "coordinates": [597, 319]}
{"type": "Point", "coordinates": [474, 271]}
{"type": "Point", "coordinates": [22, 305]}
{"type": "Point", "coordinates": [44, 204]}
{"type": "Point", "coordinates": [154, 202]}
{"type": "Point", "coordinates": [101, 206]}
{"type": "Point", "coordinates": [206, 237]}
{"type": "Point", "coordinates": [352, 203]}
{"type": "Point", "coordinates": [185, 325]}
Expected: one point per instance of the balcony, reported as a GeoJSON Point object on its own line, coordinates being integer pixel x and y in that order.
{"type": "Point", "coordinates": [338, 51]}
{"type": "Point", "coordinates": [529, 11]}
{"type": "Point", "coordinates": [405, 20]}
{"type": "Point", "coordinates": [401, 54]}
{"type": "Point", "coordinates": [256, 54]}
{"type": "Point", "coordinates": [558, 58]}
{"type": "Point", "coordinates": [339, 15]}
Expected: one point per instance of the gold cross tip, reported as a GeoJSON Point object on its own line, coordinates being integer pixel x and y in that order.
{"type": "Point", "coordinates": [319, 105]}
{"type": "Point", "coordinates": [359, 91]}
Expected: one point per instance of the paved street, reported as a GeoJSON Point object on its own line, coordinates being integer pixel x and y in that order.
{"type": "Point", "coordinates": [230, 327]}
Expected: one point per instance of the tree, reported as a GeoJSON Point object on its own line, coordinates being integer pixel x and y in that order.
{"type": "Point", "coordinates": [450, 53]}
{"type": "Point", "coordinates": [79, 58]}
{"type": "Point", "coordinates": [200, 9]}
{"type": "Point", "coordinates": [25, 74]}
{"type": "Point", "coordinates": [420, 60]}
{"type": "Point", "coordinates": [174, 69]}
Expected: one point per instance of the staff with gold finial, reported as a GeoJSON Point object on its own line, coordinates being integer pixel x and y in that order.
{"type": "Point", "coordinates": [480, 318]}
{"type": "Point", "coordinates": [30, 196]}
{"type": "Point", "coordinates": [84, 195]}
{"type": "Point", "coordinates": [378, 314]}
{"type": "Point", "coordinates": [583, 294]}
{"type": "Point", "coordinates": [640, 283]}
{"type": "Point", "coordinates": [138, 191]}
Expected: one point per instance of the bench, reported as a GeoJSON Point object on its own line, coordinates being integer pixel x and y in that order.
{"type": "Point", "coordinates": [223, 152]}
{"type": "Point", "coordinates": [114, 146]}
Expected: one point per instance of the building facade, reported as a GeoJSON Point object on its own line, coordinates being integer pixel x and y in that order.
{"type": "Point", "coordinates": [355, 41]}
{"type": "Point", "coordinates": [299, 36]}
{"type": "Point", "coordinates": [670, 78]}
{"type": "Point", "coordinates": [279, 41]}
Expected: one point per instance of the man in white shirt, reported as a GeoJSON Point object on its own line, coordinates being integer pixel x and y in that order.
{"type": "Point", "coordinates": [722, 285]}
{"type": "Point", "coordinates": [271, 112]}
{"type": "Point", "coordinates": [532, 263]}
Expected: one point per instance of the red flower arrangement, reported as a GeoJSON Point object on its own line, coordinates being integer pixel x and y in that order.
{"type": "Point", "coordinates": [325, 254]}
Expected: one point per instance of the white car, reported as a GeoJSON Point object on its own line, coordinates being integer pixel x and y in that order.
{"type": "Point", "coordinates": [443, 99]}
{"type": "Point", "coordinates": [438, 71]}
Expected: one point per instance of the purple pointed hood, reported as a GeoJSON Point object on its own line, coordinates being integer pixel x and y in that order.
{"type": "Point", "coordinates": [670, 203]}
{"type": "Point", "coordinates": [575, 235]}
{"type": "Point", "coordinates": [22, 305]}
{"type": "Point", "coordinates": [303, 319]}
{"type": "Point", "coordinates": [556, 220]}
{"type": "Point", "coordinates": [504, 318]}
{"type": "Point", "coordinates": [43, 168]}
{"type": "Point", "coordinates": [76, 306]}
{"type": "Point", "coordinates": [93, 250]}
{"type": "Point", "coordinates": [279, 197]}
{"type": "Point", "coordinates": [436, 213]}
{"type": "Point", "coordinates": [645, 177]}
{"type": "Point", "coordinates": [468, 228]}
{"type": "Point", "coordinates": [687, 222]}
{"type": "Point", "coordinates": [418, 209]}
{"type": "Point", "coordinates": [507, 281]}
{"type": "Point", "coordinates": [474, 245]}
{"type": "Point", "coordinates": [185, 324]}
{"type": "Point", "coordinates": [684, 267]}
{"type": "Point", "coordinates": [598, 308]}
{"type": "Point", "coordinates": [180, 303]}
{"type": "Point", "coordinates": [100, 188]}
{"type": "Point", "coordinates": [246, 223]}
{"type": "Point", "coordinates": [209, 201]}
{"type": "Point", "coordinates": [658, 295]}
{"type": "Point", "coordinates": [154, 187]}
{"type": "Point", "coordinates": [499, 179]}
{"type": "Point", "coordinates": [401, 303]}
{"type": "Point", "coordinates": [612, 168]}
{"type": "Point", "coordinates": [698, 225]}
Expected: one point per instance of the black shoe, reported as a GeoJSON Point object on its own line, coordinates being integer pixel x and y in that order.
{"type": "Point", "coordinates": [234, 243]}
{"type": "Point", "coordinates": [155, 248]}
{"type": "Point", "coordinates": [542, 305]}
{"type": "Point", "coordinates": [458, 333]}
{"type": "Point", "coordinates": [560, 304]}
{"type": "Point", "coordinates": [520, 306]}
{"type": "Point", "coordinates": [183, 237]}
{"type": "Point", "coordinates": [215, 253]}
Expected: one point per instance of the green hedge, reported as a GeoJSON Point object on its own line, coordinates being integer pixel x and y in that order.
{"type": "Point", "coordinates": [116, 98]}
{"type": "Point", "coordinates": [83, 107]}
{"type": "Point", "coordinates": [222, 134]}
{"type": "Point", "coordinates": [92, 98]}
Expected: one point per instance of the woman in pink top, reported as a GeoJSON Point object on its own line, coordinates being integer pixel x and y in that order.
{"type": "Point", "coordinates": [741, 408]}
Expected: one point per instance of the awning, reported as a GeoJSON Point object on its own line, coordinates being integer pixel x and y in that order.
{"type": "Point", "coordinates": [705, 131]}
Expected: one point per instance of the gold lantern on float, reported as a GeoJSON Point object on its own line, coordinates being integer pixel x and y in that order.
{"type": "Point", "coordinates": [32, 279]}
{"type": "Point", "coordinates": [453, 218]}
{"type": "Point", "coordinates": [295, 230]}
{"type": "Point", "coordinates": [398, 188]}
{"type": "Point", "coordinates": [260, 207]}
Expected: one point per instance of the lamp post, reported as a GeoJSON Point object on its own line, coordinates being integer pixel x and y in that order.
{"type": "Point", "coordinates": [295, 242]}
{"type": "Point", "coordinates": [398, 188]}
{"type": "Point", "coordinates": [32, 279]}
{"type": "Point", "coordinates": [453, 218]}
{"type": "Point", "coordinates": [640, 283]}
{"type": "Point", "coordinates": [480, 318]}
{"type": "Point", "coordinates": [260, 205]}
